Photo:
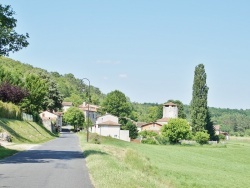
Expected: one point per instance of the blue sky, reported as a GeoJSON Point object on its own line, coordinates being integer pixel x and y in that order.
{"type": "Point", "coordinates": [146, 49]}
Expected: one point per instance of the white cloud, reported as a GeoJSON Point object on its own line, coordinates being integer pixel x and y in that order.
{"type": "Point", "coordinates": [123, 75]}
{"type": "Point", "coordinates": [105, 78]}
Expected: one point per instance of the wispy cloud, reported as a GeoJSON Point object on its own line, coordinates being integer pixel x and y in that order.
{"type": "Point", "coordinates": [123, 75]}
{"type": "Point", "coordinates": [105, 78]}
{"type": "Point", "coordinates": [108, 62]}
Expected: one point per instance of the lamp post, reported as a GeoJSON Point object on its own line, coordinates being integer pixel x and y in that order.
{"type": "Point", "coordinates": [88, 111]}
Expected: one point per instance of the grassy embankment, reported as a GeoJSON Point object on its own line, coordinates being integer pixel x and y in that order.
{"type": "Point", "coordinates": [115, 163]}
{"type": "Point", "coordinates": [23, 132]}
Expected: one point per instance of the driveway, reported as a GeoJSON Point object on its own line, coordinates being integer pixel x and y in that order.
{"type": "Point", "coordinates": [57, 163]}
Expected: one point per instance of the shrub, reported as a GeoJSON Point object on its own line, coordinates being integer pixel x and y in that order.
{"type": "Point", "coordinates": [176, 130]}
{"type": "Point", "coordinates": [161, 140]}
{"type": "Point", "coordinates": [222, 137]}
{"type": "Point", "coordinates": [147, 134]}
{"type": "Point", "coordinates": [149, 141]}
{"type": "Point", "coordinates": [9, 110]}
{"type": "Point", "coordinates": [201, 137]}
{"type": "Point", "coordinates": [247, 132]}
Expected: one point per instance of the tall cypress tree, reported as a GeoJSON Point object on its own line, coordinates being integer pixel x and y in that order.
{"type": "Point", "coordinates": [200, 117]}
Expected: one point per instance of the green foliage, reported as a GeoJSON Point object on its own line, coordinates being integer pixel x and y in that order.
{"type": "Point", "coordinates": [222, 137]}
{"type": "Point", "coordinates": [147, 134]}
{"type": "Point", "coordinates": [38, 90]}
{"type": "Point", "coordinates": [75, 99]}
{"type": "Point", "coordinates": [161, 140]}
{"type": "Point", "coordinates": [116, 104]}
{"type": "Point", "coordinates": [199, 109]}
{"type": "Point", "coordinates": [200, 116]}
{"type": "Point", "coordinates": [129, 125]}
{"type": "Point", "coordinates": [201, 137]}
{"type": "Point", "coordinates": [75, 117]}
{"type": "Point", "coordinates": [147, 112]}
{"type": "Point", "coordinates": [149, 141]}
{"type": "Point", "coordinates": [176, 130]}
{"type": "Point", "coordinates": [10, 111]}
{"type": "Point", "coordinates": [53, 99]}
{"type": "Point", "coordinates": [11, 41]}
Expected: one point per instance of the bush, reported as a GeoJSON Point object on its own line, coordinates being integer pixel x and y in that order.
{"type": "Point", "coordinates": [176, 130]}
{"type": "Point", "coordinates": [201, 137]}
{"type": "Point", "coordinates": [222, 137]}
{"type": "Point", "coordinates": [247, 132]}
{"type": "Point", "coordinates": [10, 111]}
{"type": "Point", "coordinates": [148, 134]}
{"type": "Point", "coordinates": [162, 140]}
{"type": "Point", "coordinates": [149, 141]}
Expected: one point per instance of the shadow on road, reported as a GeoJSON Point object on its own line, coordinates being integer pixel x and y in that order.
{"type": "Point", "coordinates": [42, 156]}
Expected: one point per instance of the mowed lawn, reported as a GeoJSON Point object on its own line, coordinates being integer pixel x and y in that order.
{"type": "Point", "coordinates": [115, 163]}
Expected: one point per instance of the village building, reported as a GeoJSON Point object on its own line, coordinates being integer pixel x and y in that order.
{"type": "Point", "coordinates": [170, 111]}
{"type": "Point", "coordinates": [90, 111]}
{"type": "Point", "coordinates": [52, 121]}
{"type": "Point", "coordinates": [108, 125]}
{"type": "Point", "coordinates": [66, 106]}
{"type": "Point", "coordinates": [154, 126]}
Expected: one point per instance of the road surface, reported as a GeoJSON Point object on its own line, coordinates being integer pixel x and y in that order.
{"type": "Point", "coordinates": [57, 163]}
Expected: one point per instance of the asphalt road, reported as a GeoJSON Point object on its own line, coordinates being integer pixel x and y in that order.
{"type": "Point", "coordinates": [57, 163]}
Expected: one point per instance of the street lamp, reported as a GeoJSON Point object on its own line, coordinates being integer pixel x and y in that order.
{"type": "Point", "coordinates": [88, 111]}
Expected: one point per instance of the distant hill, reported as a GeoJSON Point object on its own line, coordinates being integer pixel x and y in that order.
{"type": "Point", "coordinates": [73, 89]}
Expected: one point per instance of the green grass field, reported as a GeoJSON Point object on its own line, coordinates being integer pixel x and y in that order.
{"type": "Point", "coordinates": [115, 163]}
{"type": "Point", "coordinates": [5, 152]}
{"type": "Point", "coordinates": [25, 132]}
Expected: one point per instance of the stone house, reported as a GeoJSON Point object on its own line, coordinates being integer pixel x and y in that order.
{"type": "Point", "coordinates": [51, 121]}
{"type": "Point", "coordinates": [108, 125]}
{"type": "Point", "coordinates": [154, 126]}
{"type": "Point", "coordinates": [170, 110]}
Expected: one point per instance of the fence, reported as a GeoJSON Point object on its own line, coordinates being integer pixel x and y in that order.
{"type": "Point", "coordinates": [27, 117]}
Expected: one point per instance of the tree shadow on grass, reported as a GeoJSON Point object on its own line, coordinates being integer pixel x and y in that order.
{"type": "Point", "coordinates": [86, 153]}
{"type": "Point", "coordinates": [13, 133]}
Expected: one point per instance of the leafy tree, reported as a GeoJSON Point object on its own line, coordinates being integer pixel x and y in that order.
{"type": "Point", "coordinates": [181, 112]}
{"type": "Point", "coordinates": [75, 99]}
{"type": "Point", "coordinates": [75, 117]}
{"type": "Point", "coordinates": [176, 130]}
{"type": "Point", "coordinates": [38, 90]}
{"type": "Point", "coordinates": [11, 93]}
{"type": "Point", "coordinates": [200, 117]}
{"type": "Point", "coordinates": [133, 132]}
{"type": "Point", "coordinates": [53, 99]}
{"type": "Point", "coordinates": [10, 40]}
{"type": "Point", "coordinates": [116, 104]}
{"type": "Point", "coordinates": [154, 113]}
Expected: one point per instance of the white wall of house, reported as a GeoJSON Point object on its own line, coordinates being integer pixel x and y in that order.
{"type": "Point", "coordinates": [112, 128]}
{"type": "Point", "coordinates": [124, 135]}
{"type": "Point", "coordinates": [109, 130]}
{"type": "Point", "coordinates": [92, 116]}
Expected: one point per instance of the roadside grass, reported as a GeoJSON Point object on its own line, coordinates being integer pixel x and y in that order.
{"type": "Point", "coordinates": [5, 152]}
{"type": "Point", "coordinates": [26, 132]}
{"type": "Point", "coordinates": [115, 163]}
